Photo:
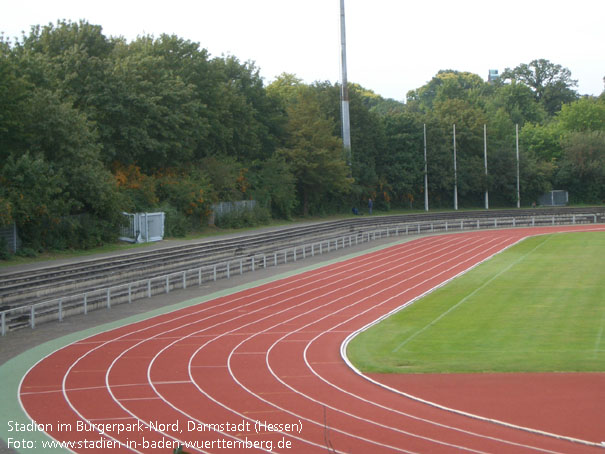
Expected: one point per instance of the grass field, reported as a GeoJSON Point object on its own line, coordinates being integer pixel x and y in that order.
{"type": "Point", "coordinates": [537, 307]}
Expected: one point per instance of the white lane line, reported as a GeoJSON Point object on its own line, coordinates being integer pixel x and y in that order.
{"type": "Point", "coordinates": [329, 274]}
{"type": "Point", "coordinates": [348, 306]}
{"type": "Point", "coordinates": [98, 346]}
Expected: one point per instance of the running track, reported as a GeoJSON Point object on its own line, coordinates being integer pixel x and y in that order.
{"type": "Point", "coordinates": [273, 353]}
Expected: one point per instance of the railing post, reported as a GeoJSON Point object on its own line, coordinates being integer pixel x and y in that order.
{"type": "Point", "coordinates": [265, 261]}
{"type": "Point", "coordinates": [214, 273]}
{"type": "Point", "coordinates": [109, 298]}
{"type": "Point", "coordinates": [184, 280]}
{"type": "Point", "coordinates": [241, 266]}
{"type": "Point", "coordinates": [252, 263]}
{"type": "Point", "coordinates": [199, 276]}
{"type": "Point", "coordinates": [228, 271]}
{"type": "Point", "coordinates": [32, 316]}
{"type": "Point", "coordinates": [130, 293]}
{"type": "Point", "coordinates": [3, 323]}
{"type": "Point", "coordinates": [85, 303]}
{"type": "Point", "coordinates": [61, 310]}
{"type": "Point", "coordinates": [168, 284]}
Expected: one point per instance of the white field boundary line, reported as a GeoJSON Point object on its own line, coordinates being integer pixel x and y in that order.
{"type": "Point", "coordinates": [402, 413]}
{"type": "Point", "coordinates": [112, 340]}
{"type": "Point", "coordinates": [345, 343]}
{"type": "Point", "coordinates": [366, 258]}
{"type": "Point", "coordinates": [296, 415]}
{"type": "Point", "coordinates": [285, 283]}
{"type": "Point", "coordinates": [291, 412]}
{"type": "Point", "coordinates": [64, 390]}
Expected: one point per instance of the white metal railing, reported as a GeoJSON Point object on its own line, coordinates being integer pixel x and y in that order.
{"type": "Point", "coordinates": [58, 308]}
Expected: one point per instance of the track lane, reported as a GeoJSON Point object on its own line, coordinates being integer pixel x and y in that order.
{"type": "Point", "coordinates": [186, 382]}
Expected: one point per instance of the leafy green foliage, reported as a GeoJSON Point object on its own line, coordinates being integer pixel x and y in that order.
{"type": "Point", "coordinates": [551, 84]}
{"type": "Point", "coordinates": [312, 150]}
{"type": "Point", "coordinates": [91, 126]}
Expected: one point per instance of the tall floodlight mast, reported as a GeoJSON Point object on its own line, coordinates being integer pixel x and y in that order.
{"type": "Point", "coordinates": [485, 162]}
{"type": "Point", "coordinates": [426, 174]}
{"type": "Point", "coordinates": [344, 88]}
{"type": "Point", "coordinates": [455, 174]}
{"type": "Point", "coordinates": [518, 184]}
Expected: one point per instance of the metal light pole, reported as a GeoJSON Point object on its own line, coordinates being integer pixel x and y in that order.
{"type": "Point", "coordinates": [455, 174]}
{"type": "Point", "coordinates": [426, 175]}
{"type": "Point", "coordinates": [344, 89]}
{"type": "Point", "coordinates": [485, 160]}
{"type": "Point", "coordinates": [518, 185]}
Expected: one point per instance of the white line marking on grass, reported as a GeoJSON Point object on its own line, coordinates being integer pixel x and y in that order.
{"type": "Point", "coordinates": [436, 320]}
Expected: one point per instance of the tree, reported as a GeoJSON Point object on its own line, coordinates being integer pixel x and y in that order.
{"type": "Point", "coordinates": [313, 152]}
{"type": "Point", "coordinates": [401, 166]}
{"type": "Point", "coordinates": [551, 84]}
{"type": "Point", "coordinates": [582, 167]}
{"type": "Point", "coordinates": [274, 186]}
{"type": "Point", "coordinates": [518, 101]}
{"type": "Point", "coordinates": [585, 114]}
{"type": "Point", "coordinates": [446, 85]}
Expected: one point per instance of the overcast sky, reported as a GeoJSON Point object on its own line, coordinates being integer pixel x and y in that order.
{"type": "Point", "coordinates": [393, 46]}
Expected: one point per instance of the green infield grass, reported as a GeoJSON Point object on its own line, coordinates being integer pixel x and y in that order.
{"type": "Point", "coordinates": [537, 307]}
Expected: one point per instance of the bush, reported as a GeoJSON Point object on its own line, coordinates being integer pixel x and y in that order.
{"type": "Point", "coordinates": [26, 252]}
{"type": "Point", "coordinates": [4, 254]}
{"type": "Point", "coordinates": [244, 218]}
{"type": "Point", "coordinates": [176, 224]}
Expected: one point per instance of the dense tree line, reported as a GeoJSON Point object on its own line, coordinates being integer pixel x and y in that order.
{"type": "Point", "coordinates": [91, 126]}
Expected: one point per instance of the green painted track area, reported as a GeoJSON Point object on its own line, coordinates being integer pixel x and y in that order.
{"type": "Point", "coordinates": [537, 307]}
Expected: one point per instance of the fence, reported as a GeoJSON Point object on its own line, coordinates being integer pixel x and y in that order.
{"type": "Point", "coordinates": [554, 199]}
{"type": "Point", "coordinates": [59, 308]}
{"type": "Point", "coordinates": [9, 234]}
{"type": "Point", "coordinates": [222, 208]}
{"type": "Point", "coordinates": [143, 227]}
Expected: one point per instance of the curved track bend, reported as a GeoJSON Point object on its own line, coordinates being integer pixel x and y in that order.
{"type": "Point", "coordinates": [272, 354]}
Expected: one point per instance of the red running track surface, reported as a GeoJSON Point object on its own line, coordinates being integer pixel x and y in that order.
{"type": "Point", "coordinates": [264, 368]}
